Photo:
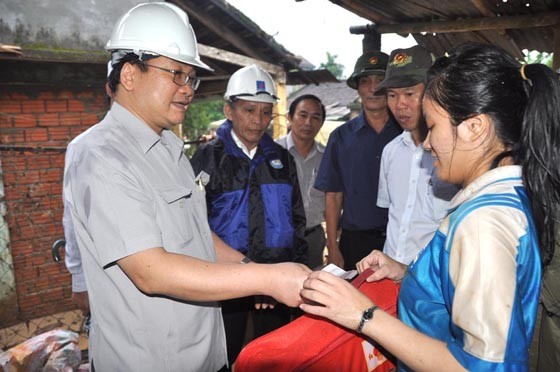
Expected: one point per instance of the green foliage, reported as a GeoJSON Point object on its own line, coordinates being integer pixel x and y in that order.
{"type": "Point", "coordinates": [535, 56]}
{"type": "Point", "coordinates": [333, 66]}
{"type": "Point", "coordinates": [198, 119]}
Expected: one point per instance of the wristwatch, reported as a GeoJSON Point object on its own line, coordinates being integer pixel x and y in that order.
{"type": "Point", "coordinates": [366, 316]}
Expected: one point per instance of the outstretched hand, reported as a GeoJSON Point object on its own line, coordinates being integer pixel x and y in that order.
{"type": "Point", "coordinates": [383, 267]}
{"type": "Point", "coordinates": [334, 298]}
{"type": "Point", "coordinates": [287, 281]}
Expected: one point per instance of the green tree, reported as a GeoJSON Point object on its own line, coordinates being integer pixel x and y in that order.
{"type": "Point", "coordinates": [333, 66]}
{"type": "Point", "coordinates": [534, 56]}
{"type": "Point", "coordinates": [198, 119]}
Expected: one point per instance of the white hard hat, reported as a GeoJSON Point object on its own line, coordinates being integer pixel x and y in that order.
{"type": "Point", "coordinates": [251, 83]}
{"type": "Point", "coordinates": [157, 28]}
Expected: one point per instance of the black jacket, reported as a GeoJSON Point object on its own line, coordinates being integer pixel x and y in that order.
{"type": "Point", "coordinates": [254, 205]}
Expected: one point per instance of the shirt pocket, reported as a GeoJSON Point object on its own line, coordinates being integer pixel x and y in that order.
{"type": "Point", "coordinates": [174, 215]}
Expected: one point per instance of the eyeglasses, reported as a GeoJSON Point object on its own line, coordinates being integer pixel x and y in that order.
{"type": "Point", "coordinates": [179, 77]}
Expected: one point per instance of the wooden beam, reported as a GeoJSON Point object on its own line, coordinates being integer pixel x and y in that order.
{"type": "Point", "coordinates": [483, 8]}
{"type": "Point", "coordinates": [362, 10]}
{"type": "Point", "coordinates": [217, 27]}
{"type": "Point", "coordinates": [474, 24]}
{"type": "Point", "coordinates": [238, 59]}
{"type": "Point", "coordinates": [279, 124]}
{"type": "Point", "coordinates": [556, 50]}
{"type": "Point", "coordinates": [486, 11]}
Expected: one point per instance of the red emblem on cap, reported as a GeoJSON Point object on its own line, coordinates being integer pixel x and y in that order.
{"type": "Point", "coordinates": [401, 59]}
{"type": "Point", "coordinates": [373, 60]}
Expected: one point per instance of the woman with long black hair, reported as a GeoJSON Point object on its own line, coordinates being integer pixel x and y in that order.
{"type": "Point", "coordinates": [469, 300]}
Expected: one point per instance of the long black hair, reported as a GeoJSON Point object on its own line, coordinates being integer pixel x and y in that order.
{"type": "Point", "coordinates": [523, 103]}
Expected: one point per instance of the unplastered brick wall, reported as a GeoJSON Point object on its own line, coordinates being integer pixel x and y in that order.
{"type": "Point", "coordinates": [35, 128]}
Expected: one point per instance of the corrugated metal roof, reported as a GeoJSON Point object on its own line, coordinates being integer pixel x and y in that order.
{"type": "Point", "coordinates": [220, 25]}
{"type": "Point", "coordinates": [514, 40]}
{"type": "Point", "coordinates": [335, 96]}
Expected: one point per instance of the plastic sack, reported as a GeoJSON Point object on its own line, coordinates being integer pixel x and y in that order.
{"type": "Point", "coordinates": [56, 350]}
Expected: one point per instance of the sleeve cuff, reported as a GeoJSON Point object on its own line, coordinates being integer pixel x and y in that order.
{"type": "Point", "coordinates": [79, 282]}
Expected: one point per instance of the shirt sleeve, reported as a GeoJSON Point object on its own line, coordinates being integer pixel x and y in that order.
{"type": "Point", "coordinates": [72, 257]}
{"type": "Point", "coordinates": [483, 270]}
{"type": "Point", "coordinates": [120, 216]}
{"type": "Point", "coordinates": [329, 176]}
{"type": "Point", "coordinates": [383, 197]}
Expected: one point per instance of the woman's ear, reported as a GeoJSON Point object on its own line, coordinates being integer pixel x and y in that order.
{"type": "Point", "coordinates": [474, 129]}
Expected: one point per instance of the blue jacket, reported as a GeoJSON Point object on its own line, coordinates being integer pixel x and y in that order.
{"type": "Point", "coordinates": [254, 205]}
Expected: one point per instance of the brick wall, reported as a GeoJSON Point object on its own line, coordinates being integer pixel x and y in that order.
{"type": "Point", "coordinates": [47, 118]}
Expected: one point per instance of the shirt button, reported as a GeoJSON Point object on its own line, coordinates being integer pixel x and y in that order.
{"type": "Point", "coordinates": [181, 204]}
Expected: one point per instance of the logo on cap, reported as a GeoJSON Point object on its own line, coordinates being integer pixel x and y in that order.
{"type": "Point", "coordinates": [401, 59]}
{"type": "Point", "coordinates": [373, 60]}
{"type": "Point", "coordinates": [261, 86]}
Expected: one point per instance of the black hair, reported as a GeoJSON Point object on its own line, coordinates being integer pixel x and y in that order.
{"type": "Point", "coordinates": [114, 77]}
{"type": "Point", "coordinates": [295, 102]}
{"type": "Point", "coordinates": [524, 106]}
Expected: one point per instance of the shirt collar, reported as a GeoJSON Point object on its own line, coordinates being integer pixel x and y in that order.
{"type": "Point", "coordinates": [142, 133]}
{"type": "Point", "coordinates": [241, 145]}
{"type": "Point", "coordinates": [137, 128]}
{"type": "Point", "coordinates": [316, 145]}
{"type": "Point", "coordinates": [508, 173]}
{"type": "Point", "coordinates": [408, 140]}
{"type": "Point", "coordinates": [363, 123]}
{"type": "Point", "coordinates": [289, 141]}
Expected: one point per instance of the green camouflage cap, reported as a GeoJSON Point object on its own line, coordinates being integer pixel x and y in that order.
{"type": "Point", "coordinates": [406, 68]}
{"type": "Point", "coordinates": [369, 63]}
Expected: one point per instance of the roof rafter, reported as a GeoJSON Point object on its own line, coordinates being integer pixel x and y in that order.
{"type": "Point", "coordinates": [473, 24]}
{"type": "Point", "coordinates": [218, 28]}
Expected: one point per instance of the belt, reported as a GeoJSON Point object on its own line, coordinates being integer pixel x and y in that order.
{"type": "Point", "coordinates": [313, 229]}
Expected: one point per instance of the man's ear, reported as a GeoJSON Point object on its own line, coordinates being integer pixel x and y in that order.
{"type": "Point", "coordinates": [475, 128]}
{"type": "Point", "coordinates": [228, 111]}
{"type": "Point", "coordinates": [128, 73]}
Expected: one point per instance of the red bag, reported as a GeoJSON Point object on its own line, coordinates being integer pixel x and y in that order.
{"type": "Point", "coordinates": [311, 343]}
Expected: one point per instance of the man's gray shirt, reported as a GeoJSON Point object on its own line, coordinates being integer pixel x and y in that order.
{"type": "Point", "coordinates": [129, 190]}
{"type": "Point", "coordinates": [307, 168]}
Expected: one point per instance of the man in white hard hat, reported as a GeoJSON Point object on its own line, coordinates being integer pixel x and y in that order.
{"type": "Point", "coordinates": [253, 196]}
{"type": "Point", "coordinates": [72, 257]}
{"type": "Point", "coordinates": [154, 270]}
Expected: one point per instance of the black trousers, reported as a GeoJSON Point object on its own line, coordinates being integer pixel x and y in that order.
{"type": "Point", "coordinates": [356, 244]}
{"type": "Point", "coordinates": [235, 313]}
